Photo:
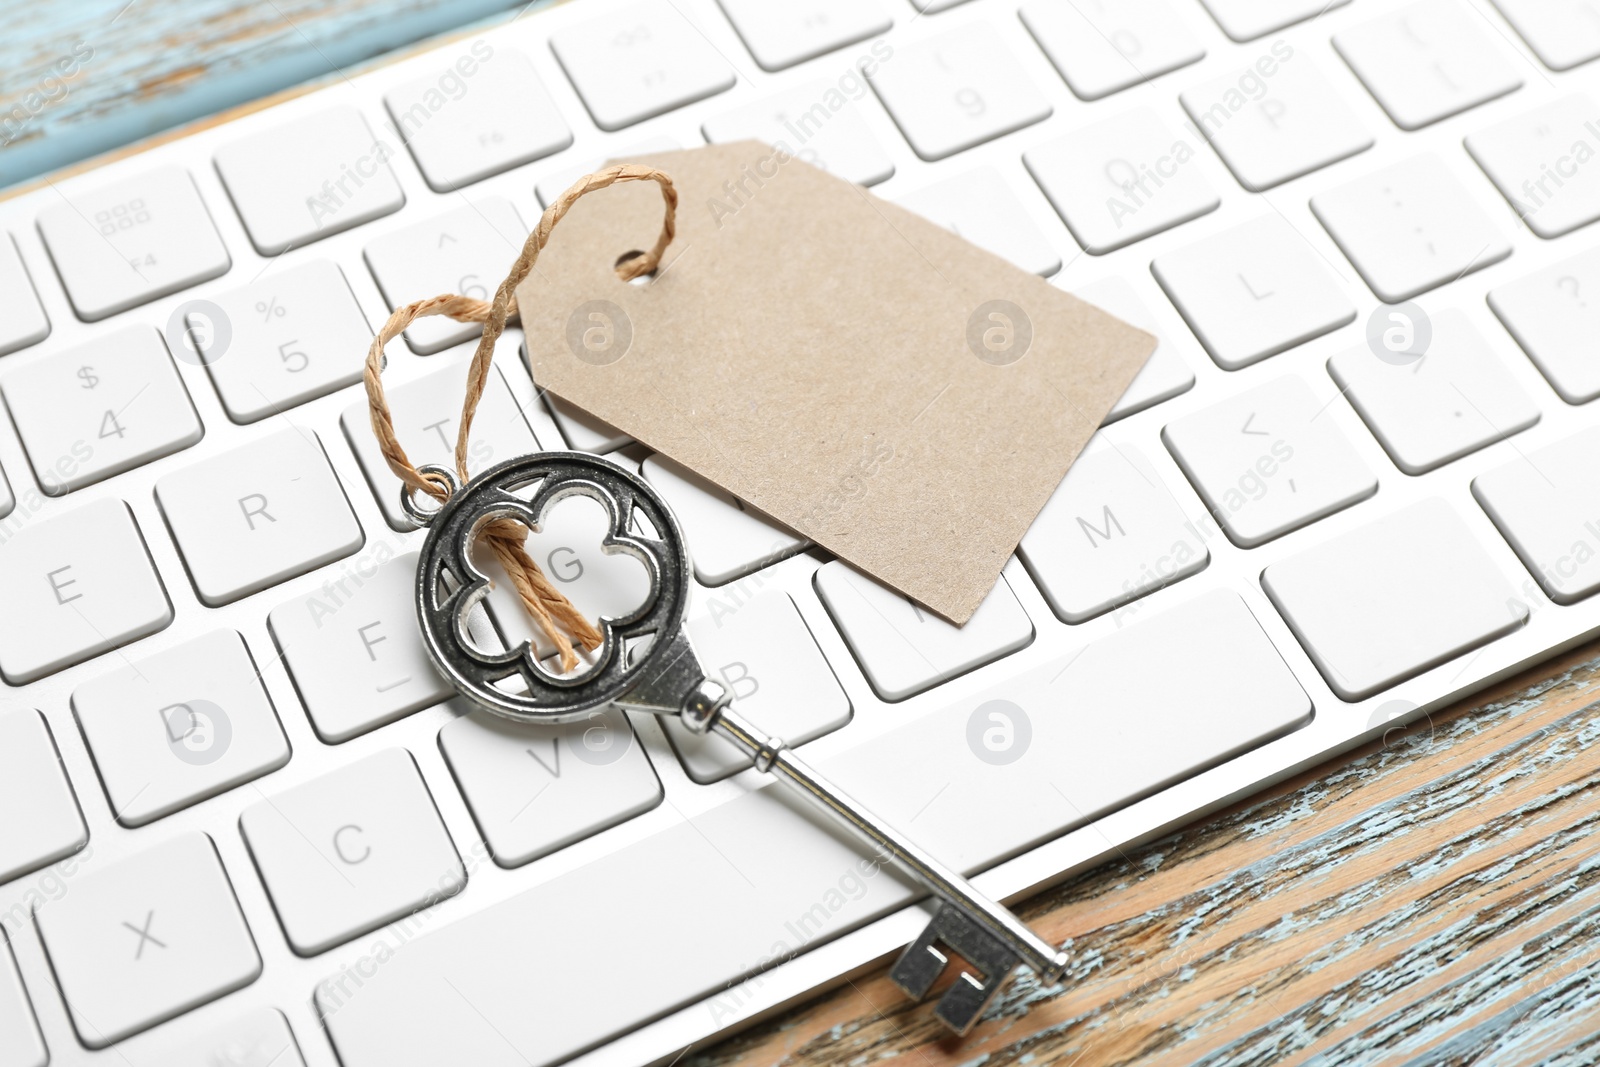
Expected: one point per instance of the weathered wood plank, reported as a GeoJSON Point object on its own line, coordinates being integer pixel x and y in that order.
{"type": "Point", "coordinates": [95, 75]}
{"type": "Point", "coordinates": [1435, 899]}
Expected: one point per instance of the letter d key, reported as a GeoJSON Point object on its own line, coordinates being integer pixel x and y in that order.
{"type": "Point", "coordinates": [667, 679]}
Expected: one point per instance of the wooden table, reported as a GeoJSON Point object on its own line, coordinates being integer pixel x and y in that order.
{"type": "Point", "coordinates": [139, 68]}
{"type": "Point", "coordinates": [1432, 898]}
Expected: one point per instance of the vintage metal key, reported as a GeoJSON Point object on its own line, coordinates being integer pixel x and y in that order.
{"type": "Point", "coordinates": [665, 678]}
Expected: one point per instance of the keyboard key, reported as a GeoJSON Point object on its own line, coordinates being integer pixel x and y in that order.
{"type": "Point", "coordinates": [1164, 375]}
{"type": "Point", "coordinates": [146, 939]}
{"type": "Point", "coordinates": [1371, 610]}
{"type": "Point", "coordinates": [77, 584]}
{"type": "Point", "coordinates": [1245, 20]}
{"type": "Point", "coordinates": [801, 122]}
{"type": "Point", "coordinates": [33, 780]}
{"type": "Point", "coordinates": [126, 244]}
{"type": "Point", "coordinates": [1562, 33]}
{"type": "Point", "coordinates": [1268, 461]}
{"type": "Point", "coordinates": [21, 1043]}
{"type": "Point", "coordinates": [463, 251]}
{"type": "Point", "coordinates": [1530, 159]}
{"type": "Point", "coordinates": [316, 175]}
{"type": "Point", "coordinates": [1253, 291]}
{"type": "Point", "coordinates": [260, 1039]}
{"type": "Point", "coordinates": [781, 35]}
{"type": "Point", "coordinates": [1101, 47]}
{"type": "Point", "coordinates": [179, 727]}
{"type": "Point", "coordinates": [727, 538]}
{"type": "Point", "coordinates": [956, 90]}
{"type": "Point", "coordinates": [258, 515]}
{"type": "Point", "coordinates": [100, 408]}
{"type": "Point", "coordinates": [639, 61]}
{"type": "Point", "coordinates": [294, 334]}
{"type": "Point", "coordinates": [482, 114]}
{"type": "Point", "coordinates": [25, 322]}
{"type": "Point", "coordinates": [536, 789]}
{"type": "Point", "coordinates": [1088, 761]}
{"type": "Point", "coordinates": [553, 185]}
{"type": "Point", "coordinates": [343, 854]}
{"type": "Point", "coordinates": [1110, 534]}
{"type": "Point", "coordinates": [354, 651]}
{"type": "Point", "coordinates": [427, 413]}
{"type": "Point", "coordinates": [979, 206]}
{"type": "Point", "coordinates": [1547, 505]}
{"type": "Point", "coordinates": [1294, 122]}
{"type": "Point", "coordinates": [1120, 180]}
{"type": "Point", "coordinates": [1210, 685]}
{"type": "Point", "coordinates": [776, 673]}
{"type": "Point", "coordinates": [904, 650]}
{"type": "Point", "coordinates": [1456, 399]}
{"type": "Point", "coordinates": [1554, 317]}
{"type": "Point", "coordinates": [1427, 61]}
{"type": "Point", "coordinates": [1409, 228]}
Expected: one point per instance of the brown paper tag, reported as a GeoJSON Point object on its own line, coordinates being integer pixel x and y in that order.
{"type": "Point", "coordinates": [901, 397]}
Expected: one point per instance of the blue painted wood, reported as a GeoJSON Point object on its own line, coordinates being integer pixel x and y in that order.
{"type": "Point", "coordinates": [1431, 899]}
{"type": "Point", "coordinates": [82, 78]}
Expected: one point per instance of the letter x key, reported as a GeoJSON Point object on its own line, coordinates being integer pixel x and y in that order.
{"type": "Point", "coordinates": [145, 935]}
{"type": "Point", "coordinates": [667, 679]}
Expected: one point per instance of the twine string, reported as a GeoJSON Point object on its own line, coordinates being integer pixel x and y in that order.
{"type": "Point", "coordinates": [555, 616]}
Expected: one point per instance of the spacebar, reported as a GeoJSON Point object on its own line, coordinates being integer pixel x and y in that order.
{"type": "Point", "coordinates": [600, 950]}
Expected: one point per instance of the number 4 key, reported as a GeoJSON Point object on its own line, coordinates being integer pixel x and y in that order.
{"type": "Point", "coordinates": [110, 405]}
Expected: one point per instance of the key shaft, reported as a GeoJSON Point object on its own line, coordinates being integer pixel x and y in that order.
{"type": "Point", "coordinates": [772, 756]}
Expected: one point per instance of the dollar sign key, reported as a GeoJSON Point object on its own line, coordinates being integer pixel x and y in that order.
{"type": "Point", "coordinates": [89, 378]}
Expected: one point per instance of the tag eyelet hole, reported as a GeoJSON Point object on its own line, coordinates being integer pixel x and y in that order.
{"type": "Point", "coordinates": [627, 257]}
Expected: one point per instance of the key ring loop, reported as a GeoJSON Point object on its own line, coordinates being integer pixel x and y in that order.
{"type": "Point", "coordinates": [440, 476]}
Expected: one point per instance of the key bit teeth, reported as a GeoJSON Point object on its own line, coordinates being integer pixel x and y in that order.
{"type": "Point", "coordinates": [964, 1002]}
{"type": "Point", "coordinates": [919, 966]}
{"type": "Point", "coordinates": [990, 966]}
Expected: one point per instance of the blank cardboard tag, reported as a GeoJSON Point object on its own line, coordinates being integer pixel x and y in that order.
{"type": "Point", "coordinates": [901, 397]}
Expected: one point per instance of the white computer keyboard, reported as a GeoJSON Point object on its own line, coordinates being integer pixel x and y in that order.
{"type": "Point", "coordinates": [241, 823]}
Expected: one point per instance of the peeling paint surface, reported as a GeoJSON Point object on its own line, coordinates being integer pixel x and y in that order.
{"type": "Point", "coordinates": [81, 79]}
{"type": "Point", "coordinates": [1435, 900]}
